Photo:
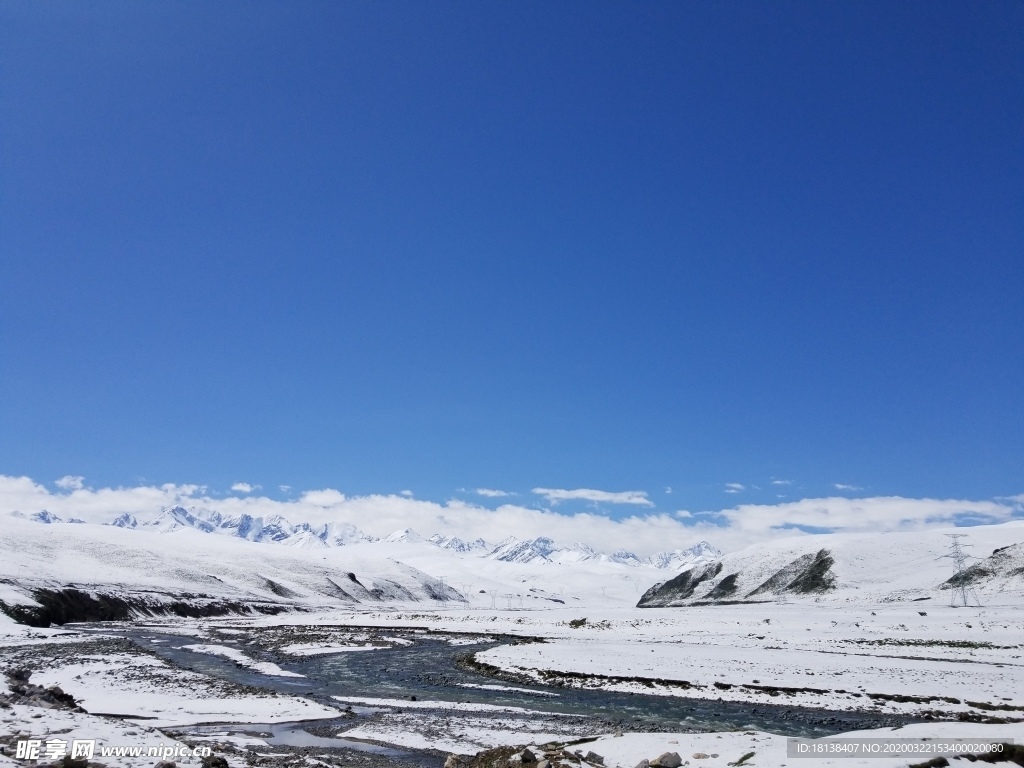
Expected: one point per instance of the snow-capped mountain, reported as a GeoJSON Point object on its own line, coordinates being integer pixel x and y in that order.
{"type": "Point", "coordinates": [176, 518]}
{"type": "Point", "coordinates": [543, 549]}
{"type": "Point", "coordinates": [512, 550]}
{"type": "Point", "coordinates": [279, 530]}
{"type": "Point", "coordinates": [456, 544]}
{"type": "Point", "coordinates": [45, 516]}
{"type": "Point", "coordinates": [404, 536]}
{"type": "Point", "coordinates": [340, 534]}
{"type": "Point", "coordinates": [699, 553]}
{"type": "Point", "coordinates": [273, 528]}
{"type": "Point", "coordinates": [625, 557]}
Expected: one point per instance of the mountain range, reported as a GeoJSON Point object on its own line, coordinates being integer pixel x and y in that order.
{"type": "Point", "coordinates": [276, 529]}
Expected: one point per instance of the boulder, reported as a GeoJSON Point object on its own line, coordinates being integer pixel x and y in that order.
{"type": "Point", "coordinates": [667, 760]}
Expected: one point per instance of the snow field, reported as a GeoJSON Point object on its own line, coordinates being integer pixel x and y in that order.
{"type": "Point", "coordinates": [146, 687]}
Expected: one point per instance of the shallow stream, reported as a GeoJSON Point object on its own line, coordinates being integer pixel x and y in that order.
{"type": "Point", "coordinates": [426, 670]}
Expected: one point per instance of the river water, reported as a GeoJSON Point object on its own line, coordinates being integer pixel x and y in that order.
{"type": "Point", "coordinates": [426, 669]}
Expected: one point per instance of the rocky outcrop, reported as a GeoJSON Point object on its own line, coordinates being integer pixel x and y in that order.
{"type": "Point", "coordinates": [24, 692]}
{"type": "Point", "coordinates": [808, 574]}
{"type": "Point", "coordinates": [678, 590]}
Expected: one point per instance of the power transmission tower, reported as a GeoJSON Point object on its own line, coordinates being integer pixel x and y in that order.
{"type": "Point", "coordinates": [958, 584]}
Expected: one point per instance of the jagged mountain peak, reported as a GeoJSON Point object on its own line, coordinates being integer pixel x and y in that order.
{"type": "Point", "coordinates": [45, 516]}
{"type": "Point", "coordinates": [276, 528]}
{"type": "Point", "coordinates": [701, 552]}
{"type": "Point", "coordinates": [405, 536]}
{"type": "Point", "coordinates": [455, 544]}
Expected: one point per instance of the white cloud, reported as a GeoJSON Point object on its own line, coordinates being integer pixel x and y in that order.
{"type": "Point", "coordinates": [242, 487]}
{"type": "Point", "coordinates": [284, 488]}
{"type": "Point", "coordinates": [491, 493]}
{"type": "Point", "coordinates": [555, 495]}
{"type": "Point", "coordinates": [327, 497]}
{"type": "Point", "coordinates": [845, 487]}
{"type": "Point", "coordinates": [734, 487]}
{"type": "Point", "coordinates": [70, 482]}
{"type": "Point", "coordinates": [782, 482]}
{"type": "Point", "coordinates": [668, 489]}
{"type": "Point", "coordinates": [407, 494]}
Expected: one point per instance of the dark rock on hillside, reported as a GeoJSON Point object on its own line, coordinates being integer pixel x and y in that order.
{"type": "Point", "coordinates": [24, 692]}
{"type": "Point", "coordinates": [62, 606]}
{"type": "Point", "coordinates": [807, 574]}
{"type": "Point", "coordinates": [674, 591]}
{"type": "Point", "coordinates": [724, 589]}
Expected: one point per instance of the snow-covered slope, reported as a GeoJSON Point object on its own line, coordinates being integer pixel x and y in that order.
{"type": "Point", "coordinates": [854, 567]}
{"type": "Point", "coordinates": [160, 568]}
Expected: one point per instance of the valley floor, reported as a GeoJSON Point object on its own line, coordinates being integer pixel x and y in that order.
{"type": "Point", "coordinates": [961, 668]}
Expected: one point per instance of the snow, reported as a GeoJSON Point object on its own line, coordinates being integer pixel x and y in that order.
{"type": "Point", "coordinates": [454, 706]}
{"type": "Point", "coordinates": [23, 721]}
{"type": "Point", "coordinates": [148, 688]}
{"type": "Point", "coordinates": [303, 535]}
{"type": "Point", "coordinates": [770, 750]}
{"type": "Point", "coordinates": [316, 649]}
{"type": "Point", "coordinates": [852, 657]}
{"type": "Point", "coordinates": [884, 632]}
{"type": "Point", "coordinates": [406, 535]}
{"type": "Point", "coordinates": [264, 667]}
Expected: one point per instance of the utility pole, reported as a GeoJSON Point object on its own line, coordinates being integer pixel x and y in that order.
{"type": "Point", "coordinates": [958, 586]}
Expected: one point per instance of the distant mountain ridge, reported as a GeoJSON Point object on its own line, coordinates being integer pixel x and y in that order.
{"type": "Point", "coordinates": [277, 529]}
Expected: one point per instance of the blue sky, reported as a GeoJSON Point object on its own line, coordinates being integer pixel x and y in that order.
{"type": "Point", "coordinates": [443, 246]}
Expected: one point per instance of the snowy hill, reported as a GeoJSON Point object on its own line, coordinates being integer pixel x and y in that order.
{"type": "Point", "coordinates": [112, 569]}
{"type": "Point", "coordinates": [887, 567]}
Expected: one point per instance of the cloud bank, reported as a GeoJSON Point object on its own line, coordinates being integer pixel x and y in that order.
{"type": "Point", "coordinates": [643, 533]}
